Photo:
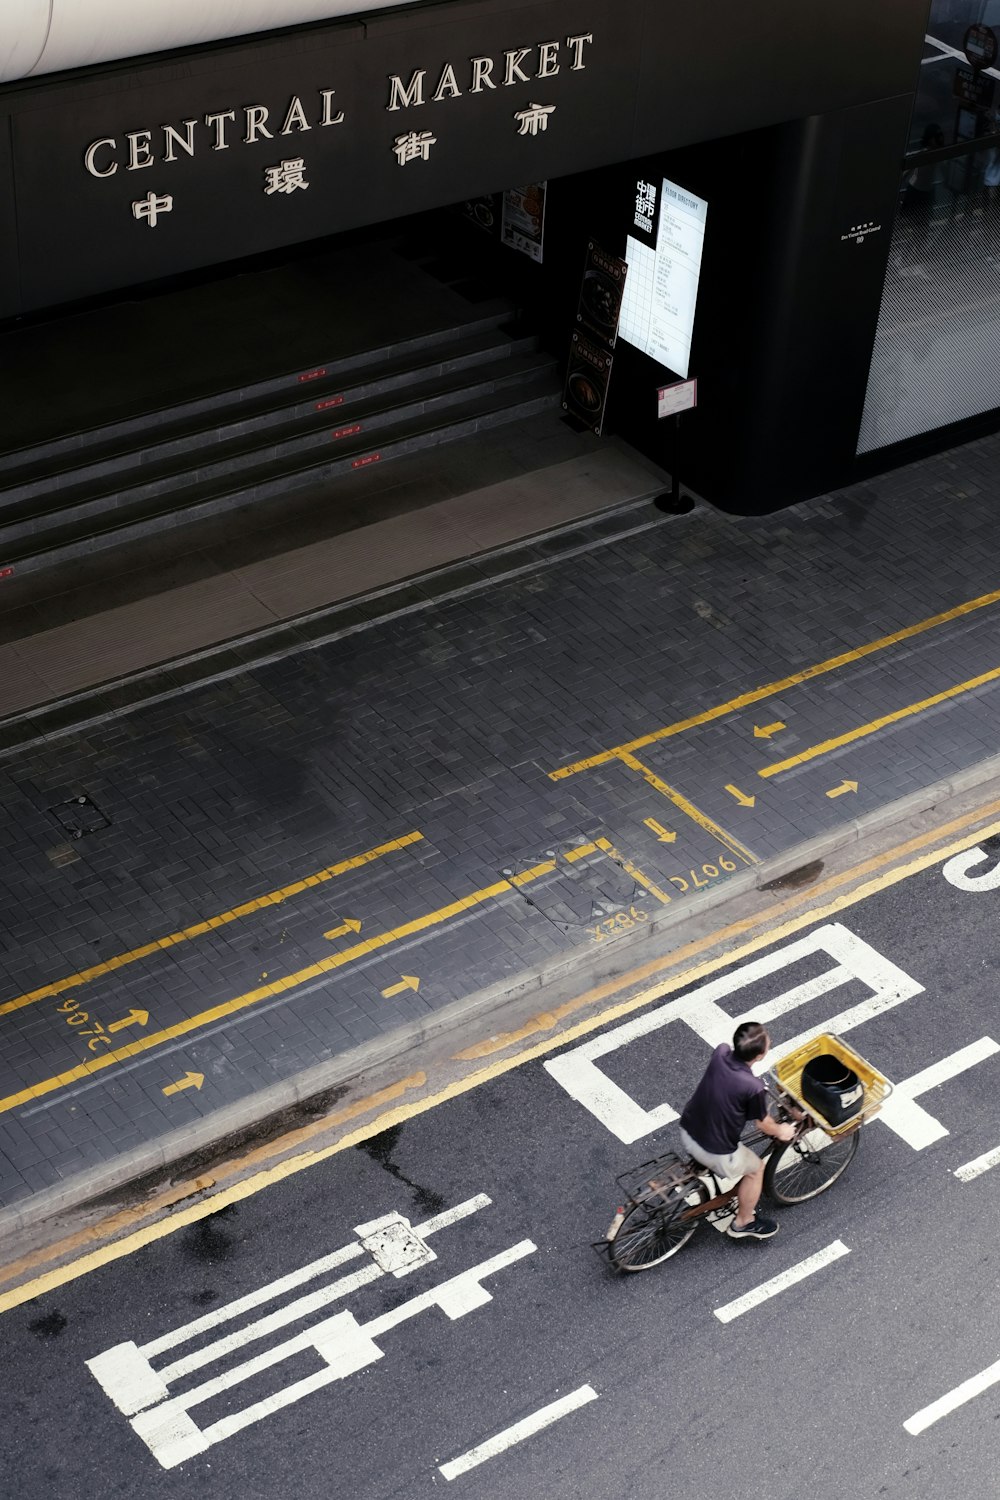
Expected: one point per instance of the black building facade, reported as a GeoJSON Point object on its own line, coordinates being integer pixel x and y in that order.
{"type": "Point", "coordinates": [792, 123]}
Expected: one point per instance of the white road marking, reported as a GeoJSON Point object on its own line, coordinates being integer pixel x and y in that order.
{"type": "Point", "coordinates": [517, 1434]}
{"type": "Point", "coordinates": [781, 1282]}
{"type": "Point", "coordinates": [974, 1386]}
{"type": "Point", "coordinates": [956, 872]}
{"type": "Point", "coordinates": [576, 1070]}
{"type": "Point", "coordinates": [302, 1307]}
{"type": "Point", "coordinates": [297, 1278]}
{"type": "Point", "coordinates": [342, 1344]}
{"type": "Point", "coordinates": [909, 1120]}
{"type": "Point", "coordinates": [978, 1165]}
{"type": "Point", "coordinates": [253, 1299]}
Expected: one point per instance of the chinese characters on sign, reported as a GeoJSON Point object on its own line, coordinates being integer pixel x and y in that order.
{"type": "Point", "coordinates": [534, 118]}
{"type": "Point", "coordinates": [414, 147]}
{"type": "Point", "coordinates": [286, 177]}
{"type": "Point", "coordinates": [214, 131]}
{"type": "Point", "coordinates": [150, 207]}
{"type": "Point", "coordinates": [645, 206]}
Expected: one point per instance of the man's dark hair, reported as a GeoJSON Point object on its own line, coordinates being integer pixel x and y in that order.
{"type": "Point", "coordinates": [749, 1041]}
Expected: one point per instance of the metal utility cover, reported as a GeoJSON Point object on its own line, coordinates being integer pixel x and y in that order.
{"type": "Point", "coordinates": [394, 1245]}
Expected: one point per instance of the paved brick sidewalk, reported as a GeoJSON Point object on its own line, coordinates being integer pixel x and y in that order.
{"type": "Point", "coordinates": [286, 864]}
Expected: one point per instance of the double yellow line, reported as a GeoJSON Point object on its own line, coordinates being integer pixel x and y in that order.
{"type": "Point", "coordinates": [211, 924]}
{"type": "Point", "coordinates": [831, 664]}
{"type": "Point", "coordinates": [124, 1233]}
{"type": "Point", "coordinates": [277, 987]}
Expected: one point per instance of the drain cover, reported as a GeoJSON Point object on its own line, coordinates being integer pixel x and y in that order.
{"type": "Point", "coordinates": [79, 816]}
{"type": "Point", "coordinates": [394, 1244]}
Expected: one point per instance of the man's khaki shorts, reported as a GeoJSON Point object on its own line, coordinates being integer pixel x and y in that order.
{"type": "Point", "coordinates": [739, 1163]}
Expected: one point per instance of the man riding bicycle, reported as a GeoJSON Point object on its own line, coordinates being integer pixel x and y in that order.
{"type": "Point", "coordinates": [727, 1098]}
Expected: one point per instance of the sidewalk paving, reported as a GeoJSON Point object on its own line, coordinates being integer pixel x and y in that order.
{"type": "Point", "coordinates": [324, 853]}
{"type": "Point", "coordinates": [224, 583]}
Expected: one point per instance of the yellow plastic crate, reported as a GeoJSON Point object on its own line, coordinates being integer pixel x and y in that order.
{"type": "Point", "coordinates": [788, 1075]}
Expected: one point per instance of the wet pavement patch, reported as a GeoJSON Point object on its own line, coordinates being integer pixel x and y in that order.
{"type": "Point", "coordinates": [48, 1327]}
{"type": "Point", "coordinates": [208, 1240]}
{"type": "Point", "coordinates": [381, 1148]}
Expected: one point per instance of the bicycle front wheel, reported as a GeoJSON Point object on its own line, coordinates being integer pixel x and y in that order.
{"type": "Point", "coordinates": [808, 1166]}
{"type": "Point", "coordinates": [648, 1235]}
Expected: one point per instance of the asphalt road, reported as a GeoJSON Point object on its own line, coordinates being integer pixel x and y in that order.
{"type": "Point", "coordinates": [804, 1394]}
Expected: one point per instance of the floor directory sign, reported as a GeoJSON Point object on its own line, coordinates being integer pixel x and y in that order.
{"type": "Point", "coordinates": [663, 251]}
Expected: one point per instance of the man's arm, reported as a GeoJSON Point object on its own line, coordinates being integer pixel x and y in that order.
{"type": "Point", "coordinates": [776, 1128]}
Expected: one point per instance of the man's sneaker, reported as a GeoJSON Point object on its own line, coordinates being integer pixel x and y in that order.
{"type": "Point", "coordinates": [758, 1229]}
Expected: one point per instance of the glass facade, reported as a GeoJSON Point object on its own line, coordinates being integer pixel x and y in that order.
{"type": "Point", "coordinates": [937, 350]}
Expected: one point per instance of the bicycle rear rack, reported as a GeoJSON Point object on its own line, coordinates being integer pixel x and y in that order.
{"type": "Point", "coordinates": [659, 1182]}
{"type": "Point", "coordinates": [659, 1178]}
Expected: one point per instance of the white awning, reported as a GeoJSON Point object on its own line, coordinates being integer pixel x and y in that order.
{"type": "Point", "coordinates": [46, 36]}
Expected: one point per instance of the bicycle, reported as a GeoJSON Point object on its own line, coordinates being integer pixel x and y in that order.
{"type": "Point", "coordinates": [670, 1195]}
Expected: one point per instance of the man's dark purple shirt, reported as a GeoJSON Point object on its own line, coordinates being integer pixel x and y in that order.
{"type": "Point", "coordinates": [727, 1097]}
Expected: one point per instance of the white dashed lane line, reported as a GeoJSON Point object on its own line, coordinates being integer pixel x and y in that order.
{"type": "Point", "coordinates": [944, 1405]}
{"type": "Point", "coordinates": [978, 1165]}
{"type": "Point", "coordinates": [517, 1434]}
{"type": "Point", "coordinates": [782, 1282]}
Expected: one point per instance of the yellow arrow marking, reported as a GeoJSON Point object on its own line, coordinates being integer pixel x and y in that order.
{"type": "Point", "coordinates": [289, 981]}
{"type": "Point", "coordinates": [275, 987]}
{"type": "Point", "coordinates": [688, 808]}
{"type": "Point", "coordinates": [350, 925]}
{"type": "Point", "coordinates": [845, 786]}
{"type": "Point", "coordinates": [134, 1018]}
{"type": "Point", "coordinates": [739, 941]}
{"type": "Point", "coordinates": [832, 664]}
{"type": "Point", "coordinates": [189, 1081]}
{"type": "Point", "coordinates": [663, 834]}
{"type": "Point", "coordinates": [273, 898]}
{"type": "Point", "coordinates": [765, 731]}
{"type": "Point", "coordinates": [408, 982]}
{"type": "Point", "coordinates": [863, 730]}
{"type": "Point", "coordinates": [741, 797]}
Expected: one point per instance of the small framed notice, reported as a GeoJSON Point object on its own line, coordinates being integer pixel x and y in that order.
{"type": "Point", "coordinates": [681, 396]}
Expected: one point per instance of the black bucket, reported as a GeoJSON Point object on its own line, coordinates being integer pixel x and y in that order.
{"type": "Point", "coordinates": [832, 1089]}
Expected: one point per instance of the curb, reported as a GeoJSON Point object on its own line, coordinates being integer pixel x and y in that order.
{"type": "Point", "coordinates": [80, 1189]}
{"type": "Point", "coordinates": [232, 656]}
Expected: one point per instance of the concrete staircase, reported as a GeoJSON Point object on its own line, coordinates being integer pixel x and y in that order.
{"type": "Point", "coordinates": [76, 494]}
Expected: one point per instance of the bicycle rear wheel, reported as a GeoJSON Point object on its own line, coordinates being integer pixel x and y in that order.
{"type": "Point", "coordinates": [808, 1166]}
{"type": "Point", "coordinates": [648, 1235]}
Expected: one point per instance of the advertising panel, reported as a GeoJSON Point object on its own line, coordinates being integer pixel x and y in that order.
{"type": "Point", "coordinates": [587, 379]}
{"type": "Point", "coordinates": [524, 219]}
{"type": "Point", "coordinates": [601, 294]}
{"type": "Point", "coordinates": [588, 372]}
